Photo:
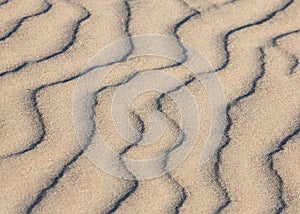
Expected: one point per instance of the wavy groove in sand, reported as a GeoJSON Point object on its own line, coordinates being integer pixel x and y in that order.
{"type": "Point", "coordinates": [23, 19]}
{"type": "Point", "coordinates": [56, 53]}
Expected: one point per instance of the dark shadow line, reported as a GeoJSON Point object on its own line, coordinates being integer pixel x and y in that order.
{"type": "Point", "coordinates": [64, 49]}
{"type": "Point", "coordinates": [227, 35]}
{"type": "Point", "coordinates": [274, 43]}
{"type": "Point", "coordinates": [14, 70]}
{"type": "Point", "coordinates": [281, 202]}
{"type": "Point", "coordinates": [124, 197]}
{"type": "Point", "coordinates": [54, 182]}
{"type": "Point", "coordinates": [295, 64]}
{"type": "Point", "coordinates": [218, 177]}
{"type": "Point", "coordinates": [20, 22]}
{"type": "Point", "coordinates": [135, 185]}
{"type": "Point", "coordinates": [71, 43]}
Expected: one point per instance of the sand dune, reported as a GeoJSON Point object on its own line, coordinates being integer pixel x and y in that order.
{"type": "Point", "coordinates": [251, 46]}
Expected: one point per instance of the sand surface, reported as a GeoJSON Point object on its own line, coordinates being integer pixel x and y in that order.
{"type": "Point", "coordinates": [252, 46]}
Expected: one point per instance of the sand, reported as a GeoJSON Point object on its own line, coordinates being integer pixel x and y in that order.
{"type": "Point", "coordinates": [252, 47]}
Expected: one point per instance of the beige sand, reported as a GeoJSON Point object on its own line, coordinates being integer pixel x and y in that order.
{"type": "Point", "coordinates": [253, 46]}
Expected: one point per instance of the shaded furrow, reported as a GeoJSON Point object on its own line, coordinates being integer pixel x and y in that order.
{"type": "Point", "coordinates": [63, 50]}
{"type": "Point", "coordinates": [293, 56]}
{"type": "Point", "coordinates": [276, 38]}
{"type": "Point", "coordinates": [295, 64]}
{"type": "Point", "coordinates": [231, 105]}
{"type": "Point", "coordinates": [54, 182]}
{"type": "Point", "coordinates": [214, 6]}
{"type": "Point", "coordinates": [71, 42]}
{"type": "Point", "coordinates": [20, 22]}
{"type": "Point", "coordinates": [123, 152]}
{"type": "Point", "coordinates": [20, 67]}
{"type": "Point", "coordinates": [218, 6]}
{"type": "Point", "coordinates": [281, 202]}
{"type": "Point", "coordinates": [183, 197]}
{"type": "Point", "coordinates": [227, 35]}
{"type": "Point", "coordinates": [175, 32]}
{"type": "Point", "coordinates": [124, 197]}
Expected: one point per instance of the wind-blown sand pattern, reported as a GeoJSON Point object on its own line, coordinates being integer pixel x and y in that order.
{"type": "Point", "coordinates": [253, 47]}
